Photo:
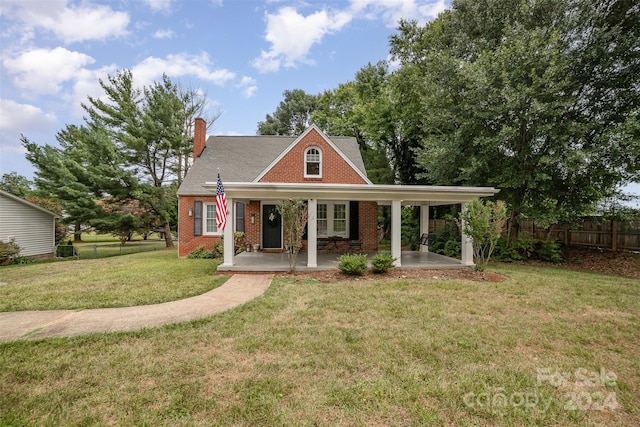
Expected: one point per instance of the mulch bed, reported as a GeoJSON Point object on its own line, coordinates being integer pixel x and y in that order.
{"type": "Point", "coordinates": [625, 264]}
{"type": "Point", "coordinates": [331, 276]}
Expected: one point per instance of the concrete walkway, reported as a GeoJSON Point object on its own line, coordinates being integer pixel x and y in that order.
{"type": "Point", "coordinates": [239, 289]}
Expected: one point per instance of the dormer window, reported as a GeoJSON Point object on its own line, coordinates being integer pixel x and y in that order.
{"type": "Point", "coordinates": [313, 163]}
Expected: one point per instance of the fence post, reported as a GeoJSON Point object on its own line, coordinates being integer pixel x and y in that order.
{"type": "Point", "coordinates": [614, 235]}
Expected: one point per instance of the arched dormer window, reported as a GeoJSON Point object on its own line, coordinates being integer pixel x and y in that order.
{"type": "Point", "coordinates": [313, 163]}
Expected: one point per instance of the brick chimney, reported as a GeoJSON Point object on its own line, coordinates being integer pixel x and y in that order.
{"type": "Point", "coordinates": [199, 137]}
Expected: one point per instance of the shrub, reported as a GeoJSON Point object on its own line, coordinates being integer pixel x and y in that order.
{"type": "Point", "coordinates": [353, 264]}
{"type": "Point", "coordinates": [218, 250]}
{"type": "Point", "coordinates": [8, 251]}
{"type": "Point", "coordinates": [452, 248]}
{"type": "Point", "coordinates": [525, 248]}
{"type": "Point", "coordinates": [381, 263]}
{"type": "Point", "coordinates": [438, 240]}
{"type": "Point", "coordinates": [549, 251]}
{"type": "Point", "coordinates": [201, 252]}
{"type": "Point", "coordinates": [22, 260]}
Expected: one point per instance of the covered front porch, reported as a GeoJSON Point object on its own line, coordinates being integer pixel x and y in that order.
{"type": "Point", "coordinates": [394, 196]}
{"type": "Point", "coordinates": [328, 260]}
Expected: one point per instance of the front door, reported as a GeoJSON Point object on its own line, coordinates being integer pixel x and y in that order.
{"type": "Point", "coordinates": [271, 227]}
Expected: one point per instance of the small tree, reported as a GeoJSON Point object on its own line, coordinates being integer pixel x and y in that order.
{"type": "Point", "coordinates": [294, 214]}
{"type": "Point", "coordinates": [483, 222]}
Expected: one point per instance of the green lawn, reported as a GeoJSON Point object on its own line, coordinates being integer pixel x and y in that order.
{"type": "Point", "coordinates": [145, 278]}
{"type": "Point", "coordinates": [545, 347]}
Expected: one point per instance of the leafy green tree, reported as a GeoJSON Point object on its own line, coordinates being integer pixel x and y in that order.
{"type": "Point", "coordinates": [536, 98]}
{"type": "Point", "coordinates": [292, 116]}
{"type": "Point", "coordinates": [342, 112]}
{"type": "Point", "coordinates": [16, 184]}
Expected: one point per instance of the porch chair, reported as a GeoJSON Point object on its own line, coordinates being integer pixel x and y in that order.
{"type": "Point", "coordinates": [424, 239]}
{"type": "Point", "coordinates": [321, 245]}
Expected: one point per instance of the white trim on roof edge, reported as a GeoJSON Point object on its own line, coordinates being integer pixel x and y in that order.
{"type": "Point", "coordinates": [327, 140]}
{"type": "Point", "coordinates": [28, 203]}
{"type": "Point", "coordinates": [407, 194]}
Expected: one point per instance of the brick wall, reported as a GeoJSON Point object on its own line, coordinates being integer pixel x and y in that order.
{"type": "Point", "coordinates": [252, 231]}
{"type": "Point", "coordinates": [368, 217]}
{"type": "Point", "coordinates": [335, 170]}
{"type": "Point", "coordinates": [187, 242]}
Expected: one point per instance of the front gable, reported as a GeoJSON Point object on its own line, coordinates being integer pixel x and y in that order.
{"type": "Point", "coordinates": [336, 168]}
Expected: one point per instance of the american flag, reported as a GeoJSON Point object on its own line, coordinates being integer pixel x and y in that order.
{"type": "Point", "coordinates": [221, 206]}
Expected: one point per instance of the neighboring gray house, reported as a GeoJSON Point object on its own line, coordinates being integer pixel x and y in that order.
{"type": "Point", "coordinates": [30, 226]}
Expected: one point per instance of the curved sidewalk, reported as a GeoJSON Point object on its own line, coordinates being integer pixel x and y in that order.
{"type": "Point", "coordinates": [239, 289]}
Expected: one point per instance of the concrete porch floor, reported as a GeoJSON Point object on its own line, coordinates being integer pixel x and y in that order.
{"type": "Point", "coordinates": [327, 260]}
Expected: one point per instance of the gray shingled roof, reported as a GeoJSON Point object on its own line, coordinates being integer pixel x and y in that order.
{"type": "Point", "coordinates": [243, 158]}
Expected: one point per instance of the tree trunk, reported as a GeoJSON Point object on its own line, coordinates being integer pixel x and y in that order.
{"type": "Point", "coordinates": [167, 235]}
{"type": "Point", "coordinates": [77, 232]}
{"type": "Point", "coordinates": [513, 229]}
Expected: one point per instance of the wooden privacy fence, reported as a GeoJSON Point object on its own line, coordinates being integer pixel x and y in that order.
{"type": "Point", "coordinates": [595, 232]}
{"type": "Point", "coordinates": [598, 232]}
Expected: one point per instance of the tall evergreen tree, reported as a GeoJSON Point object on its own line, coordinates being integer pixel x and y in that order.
{"type": "Point", "coordinates": [133, 148]}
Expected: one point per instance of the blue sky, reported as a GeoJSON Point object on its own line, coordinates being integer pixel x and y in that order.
{"type": "Point", "coordinates": [242, 54]}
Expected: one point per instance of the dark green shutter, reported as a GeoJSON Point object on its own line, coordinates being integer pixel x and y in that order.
{"type": "Point", "coordinates": [354, 221]}
{"type": "Point", "coordinates": [197, 218]}
{"type": "Point", "coordinates": [240, 217]}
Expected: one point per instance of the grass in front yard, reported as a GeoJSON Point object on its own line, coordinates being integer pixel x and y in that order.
{"type": "Point", "coordinates": [139, 279]}
{"type": "Point", "coordinates": [399, 352]}
{"type": "Point", "coordinates": [109, 249]}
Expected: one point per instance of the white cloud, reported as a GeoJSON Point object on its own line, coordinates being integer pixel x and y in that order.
{"type": "Point", "coordinates": [177, 65]}
{"type": "Point", "coordinates": [292, 36]}
{"type": "Point", "coordinates": [15, 117]}
{"type": "Point", "coordinates": [391, 11]}
{"type": "Point", "coordinates": [73, 23]}
{"type": "Point", "coordinates": [159, 5]}
{"type": "Point", "coordinates": [43, 71]}
{"type": "Point", "coordinates": [432, 10]}
{"type": "Point", "coordinates": [248, 86]}
{"type": "Point", "coordinates": [163, 34]}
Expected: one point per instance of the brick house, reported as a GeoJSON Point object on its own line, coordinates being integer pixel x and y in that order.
{"type": "Point", "coordinates": [327, 172]}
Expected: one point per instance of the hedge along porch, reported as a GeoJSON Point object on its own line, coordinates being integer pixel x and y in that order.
{"type": "Point", "coordinates": [366, 194]}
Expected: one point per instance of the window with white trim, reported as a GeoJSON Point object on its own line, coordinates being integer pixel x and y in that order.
{"type": "Point", "coordinates": [313, 163]}
{"type": "Point", "coordinates": [209, 224]}
{"type": "Point", "coordinates": [332, 219]}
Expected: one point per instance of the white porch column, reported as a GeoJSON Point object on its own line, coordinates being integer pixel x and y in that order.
{"type": "Point", "coordinates": [312, 234]}
{"type": "Point", "coordinates": [229, 249]}
{"type": "Point", "coordinates": [396, 232]}
{"type": "Point", "coordinates": [424, 224]}
{"type": "Point", "coordinates": [467, 244]}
